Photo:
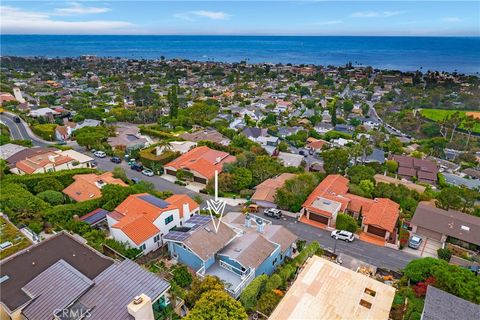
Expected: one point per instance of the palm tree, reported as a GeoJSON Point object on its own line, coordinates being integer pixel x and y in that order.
{"type": "Point", "coordinates": [164, 145]}
{"type": "Point", "coordinates": [443, 126]}
{"type": "Point", "coordinates": [365, 147]}
{"type": "Point", "coordinates": [469, 125]}
{"type": "Point", "coordinates": [355, 152]}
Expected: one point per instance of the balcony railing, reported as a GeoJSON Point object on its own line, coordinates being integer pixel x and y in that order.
{"type": "Point", "coordinates": [249, 276]}
{"type": "Point", "coordinates": [201, 272]}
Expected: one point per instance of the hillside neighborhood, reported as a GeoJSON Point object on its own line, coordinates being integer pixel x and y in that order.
{"type": "Point", "coordinates": [346, 195]}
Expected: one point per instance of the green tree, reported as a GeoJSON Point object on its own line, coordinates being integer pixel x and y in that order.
{"type": "Point", "coordinates": [199, 287]}
{"type": "Point", "coordinates": [52, 197]}
{"type": "Point", "coordinates": [119, 173]}
{"type": "Point", "coordinates": [450, 198]}
{"type": "Point", "coordinates": [332, 108]}
{"type": "Point", "coordinates": [395, 146]}
{"type": "Point", "coordinates": [346, 222]}
{"type": "Point", "coordinates": [218, 305]}
{"type": "Point", "coordinates": [360, 172]}
{"type": "Point", "coordinates": [48, 184]}
{"type": "Point", "coordinates": [91, 136]}
{"type": "Point", "coordinates": [295, 191]}
{"type": "Point", "coordinates": [391, 166]}
{"type": "Point", "coordinates": [250, 294]}
{"type": "Point", "coordinates": [181, 276]}
{"type": "Point", "coordinates": [347, 107]}
{"type": "Point", "coordinates": [173, 101]}
{"type": "Point", "coordinates": [335, 160]}
{"type": "Point", "coordinates": [367, 186]}
{"type": "Point", "coordinates": [267, 302]}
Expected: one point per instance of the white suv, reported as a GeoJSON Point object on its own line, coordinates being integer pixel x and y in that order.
{"type": "Point", "coordinates": [342, 235]}
{"type": "Point", "coordinates": [100, 154]}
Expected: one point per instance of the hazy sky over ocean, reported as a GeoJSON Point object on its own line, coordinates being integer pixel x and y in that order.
{"type": "Point", "coordinates": [419, 18]}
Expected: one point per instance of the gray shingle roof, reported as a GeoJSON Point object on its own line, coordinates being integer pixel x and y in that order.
{"type": "Point", "coordinates": [116, 287]}
{"type": "Point", "coordinates": [54, 289]}
{"type": "Point", "coordinates": [440, 305]}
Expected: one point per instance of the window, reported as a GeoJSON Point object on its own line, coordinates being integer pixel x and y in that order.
{"type": "Point", "coordinates": [143, 247]}
{"type": "Point", "coordinates": [274, 262]}
{"type": "Point", "coordinates": [365, 304]}
{"type": "Point", "coordinates": [156, 238]}
{"type": "Point", "coordinates": [169, 219]}
{"type": "Point", "coordinates": [370, 292]}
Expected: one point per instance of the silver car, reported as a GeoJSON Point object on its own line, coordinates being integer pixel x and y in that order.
{"type": "Point", "coordinates": [342, 235]}
{"type": "Point", "coordinates": [415, 242]}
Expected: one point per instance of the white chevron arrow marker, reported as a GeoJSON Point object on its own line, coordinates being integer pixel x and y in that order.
{"type": "Point", "coordinates": [216, 207]}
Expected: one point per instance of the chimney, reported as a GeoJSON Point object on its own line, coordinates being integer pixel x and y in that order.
{"type": "Point", "coordinates": [260, 225]}
{"type": "Point", "coordinates": [141, 308]}
{"type": "Point", "coordinates": [248, 223]}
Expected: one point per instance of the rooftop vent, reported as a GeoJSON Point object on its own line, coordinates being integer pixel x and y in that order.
{"type": "Point", "coordinates": [208, 229]}
{"type": "Point", "coordinates": [137, 300]}
{"type": "Point", "coordinates": [4, 278]}
{"type": "Point", "coordinates": [465, 228]}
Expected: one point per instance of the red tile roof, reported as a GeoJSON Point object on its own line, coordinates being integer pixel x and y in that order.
{"type": "Point", "coordinates": [135, 215]}
{"type": "Point", "coordinates": [202, 160]}
{"type": "Point", "coordinates": [41, 160]}
{"type": "Point", "coordinates": [88, 186]}
{"type": "Point", "coordinates": [380, 212]}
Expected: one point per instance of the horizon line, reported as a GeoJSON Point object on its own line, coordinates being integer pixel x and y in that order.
{"type": "Point", "coordinates": [245, 35]}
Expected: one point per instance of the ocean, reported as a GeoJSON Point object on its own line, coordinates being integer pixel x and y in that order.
{"type": "Point", "coordinates": [461, 54]}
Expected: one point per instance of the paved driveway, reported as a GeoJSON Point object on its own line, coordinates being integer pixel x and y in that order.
{"type": "Point", "coordinates": [428, 248]}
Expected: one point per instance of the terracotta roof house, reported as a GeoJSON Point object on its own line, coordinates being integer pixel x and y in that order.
{"type": "Point", "coordinates": [201, 162]}
{"type": "Point", "coordinates": [325, 290]}
{"type": "Point", "coordinates": [244, 247]}
{"type": "Point", "coordinates": [438, 224]}
{"type": "Point", "coordinates": [41, 160]}
{"type": "Point", "coordinates": [5, 97]}
{"type": "Point", "coordinates": [316, 144]}
{"type": "Point", "coordinates": [62, 278]}
{"type": "Point", "coordinates": [127, 138]}
{"type": "Point", "coordinates": [89, 186]}
{"type": "Point", "coordinates": [142, 220]}
{"type": "Point", "coordinates": [206, 135]}
{"type": "Point", "coordinates": [264, 195]}
{"type": "Point", "coordinates": [331, 197]}
{"type": "Point", "coordinates": [424, 170]}
{"type": "Point", "coordinates": [441, 305]}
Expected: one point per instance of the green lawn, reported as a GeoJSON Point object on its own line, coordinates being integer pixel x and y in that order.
{"type": "Point", "coordinates": [439, 114]}
{"type": "Point", "coordinates": [9, 232]}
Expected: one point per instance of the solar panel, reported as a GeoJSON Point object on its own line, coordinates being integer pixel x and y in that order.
{"type": "Point", "coordinates": [194, 222]}
{"type": "Point", "coordinates": [97, 216]}
{"type": "Point", "coordinates": [155, 201]}
{"type": "Point", "coordinates": [198, 220]}
{"type": "Point", "coordinates": [177, 236]}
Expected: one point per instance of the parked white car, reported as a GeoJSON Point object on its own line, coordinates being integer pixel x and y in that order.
{"type": "Point", "coordinates": [100, 154]}
{"type": "Point", "coordinates": [343, 235]}
{"type": "Point", "coordinates": [148, 172]}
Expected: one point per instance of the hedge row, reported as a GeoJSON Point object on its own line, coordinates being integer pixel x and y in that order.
{"type": "Point", "coordinates": [45, 131]}
{"type": "Point", "coordinates": [65, 177]}
{"type": "Point", "coordinates": [159, 134]}
{"type": "Point", "coordinates": [259, 294]}
{"type": "Point", "coordinates": [150, 159]}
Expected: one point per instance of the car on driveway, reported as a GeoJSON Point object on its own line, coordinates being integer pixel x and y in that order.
{"type": "Point", "coordinates": [116, 160]}
{"type": "Point", "coordinates": [342, 235]}
{"type": "Point", "coordinates": [137, 167]}
{"type": "Point", "coordinates": [148, 172]}
{"type": "Point", "coordinates": [100, 154]}
{"type": "Point", "coordinates": [415, 242]}
{"type": "Point", "coordinates": [273, 213]}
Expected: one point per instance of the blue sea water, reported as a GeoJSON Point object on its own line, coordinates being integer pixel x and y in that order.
{"type": "Point", "coordinates": [460, 54]}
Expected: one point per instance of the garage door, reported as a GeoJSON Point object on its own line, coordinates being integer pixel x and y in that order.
{"type": "Point", "coordinates": [171, 172]}
{"type": "Point", "coordinates": [200, 180]}
{"type": "Point", "coordinates": [318, 218]}
{"type": "Point", "coordinates": [429, 233]}
{"type": "Point", "coordinates": [376, 231]}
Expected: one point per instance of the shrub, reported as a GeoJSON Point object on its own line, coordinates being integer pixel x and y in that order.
{"type": "Point", "coordinates": [273, 283]}
{"type": "Point", "coordinates": [286, 272]}
{"type": "Point", "coordinates": [249, 296]}
{"type": "Point", "coordinates": [420, 269]}
{"type": "Point", "coordinates": [267, 302]}
{"type": "Point", "coordinates": [150, 159]}
{"type": "Point", "coordinates": [217, 304]}
{"type": "Point", "coordinates": [45, 131]}
{"type": "Point", "coordinates": [444, 254]}
{"type": "Point", "coordinates": [199, 287]}
{"type": "Point", "coordinates": [52, 197]}
{"type": "Point", "coordinates": [391, 166]}
{"type": "Point", "coordinates": [48, 184]}
{"type": "Point", "coordinates": [346, 222]}
{"type": "Point", "coordinates": [181, 276]}
{"type": "Point", "coordinates": [123, 248]}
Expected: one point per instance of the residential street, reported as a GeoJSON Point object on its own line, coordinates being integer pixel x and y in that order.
{"type": "Point", "coordinates": [369, 253]}
{"type": "Point", "coordinates": [21, 131]}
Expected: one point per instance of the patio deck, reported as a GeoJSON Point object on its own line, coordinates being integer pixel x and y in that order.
{"type": "Point", "coordinates": [225, 275]}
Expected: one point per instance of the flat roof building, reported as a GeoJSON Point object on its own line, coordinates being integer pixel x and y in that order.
{"type": "Point", "coordinates": [325, 290]}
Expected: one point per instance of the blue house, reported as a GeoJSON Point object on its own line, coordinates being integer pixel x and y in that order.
{"type": "Point", "coordinates": [244, 247]}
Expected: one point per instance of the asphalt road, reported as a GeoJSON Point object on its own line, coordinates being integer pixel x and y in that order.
{"type": "Point", "coordinates": [160, 184]}
{"type": "Point", "coordinates": [21, 131]}
{"type": "Point", "coordinates": [364, 251]}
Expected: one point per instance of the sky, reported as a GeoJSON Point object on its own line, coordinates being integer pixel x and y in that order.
{"type": "Point", "coordinates": [377, 18]}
